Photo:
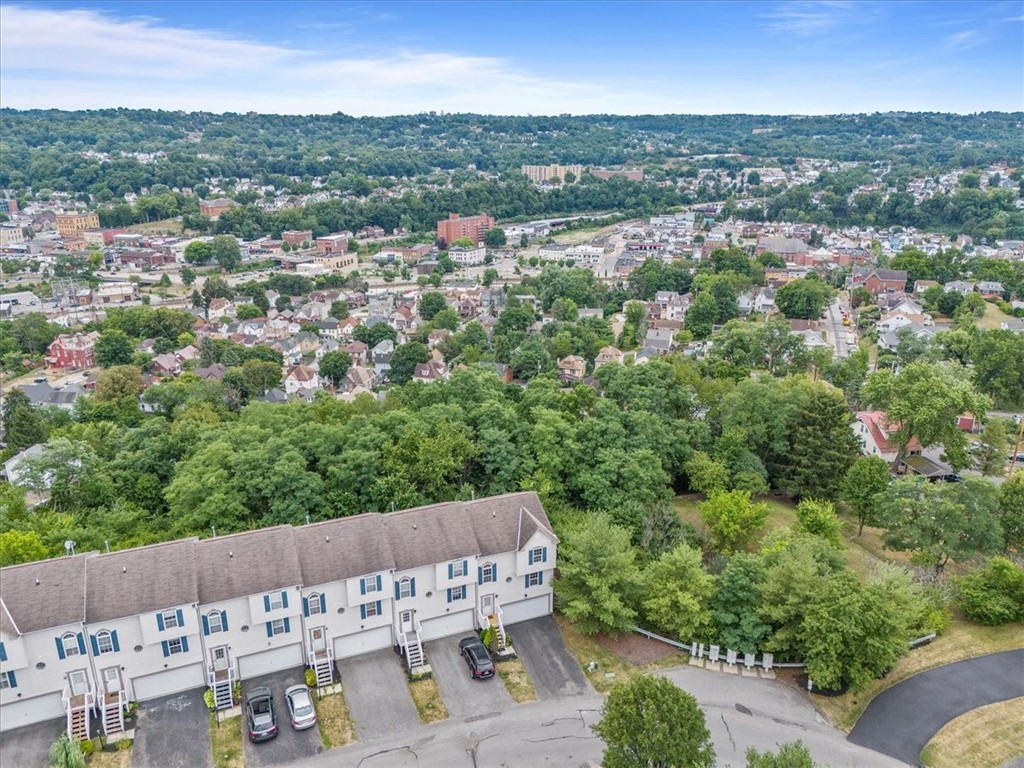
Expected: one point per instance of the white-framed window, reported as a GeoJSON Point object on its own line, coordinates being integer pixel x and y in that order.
{"type": "Point", "coordinates": [277, 627]}
{"type": "Point", "coordinates": [170, 619]}
{"type": "Point", "coordinates": [7, 680]}
{"type": "Point", "coordinates": [215, 621]}
{"type": "Point", "coordinates": [538, 555]}
{"type": "Point", "coordinates": [314, 604]}
{"type": "Point", "coordinates": [487, 573]}
{"type": "Point", "coordinates": [371, 609]}
{"type": "Point", "coordinates": [458, 568]}
{"type": "Point", "coordinates": [534, 579]}
{"type": "Point", "coordinates": [404, 588]}
{"type": "Point", "coordinates": [175, 646]}
{"type": "Point", "coordinates": [370, 584]}
{"type": "Point", "coordinates": [104, 642]}
{"type": "Point", "coordinates": [70, 643]}
{"type": "Point", "coordinates": [276, 600]}
{"type": "Point", "coordinates": [457, 593]}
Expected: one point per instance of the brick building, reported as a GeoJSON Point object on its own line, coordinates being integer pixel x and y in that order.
{"type": "Point", "coordinates": [212, 209]}
{"type": "Point", "coordinates": [69, 224]}
{"type": "Point", "coordinates": [297, 236]}
{"type": "Point", "coordinates": [76, 350]}
{"type": "Point", "coordinates": [632, 175]}
{"type": "Point", "coordinates": [473, 227]}
{"type": "Point", "coordinates": [331, 244]}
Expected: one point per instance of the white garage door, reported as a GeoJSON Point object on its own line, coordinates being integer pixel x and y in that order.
{"type": "Point", "coordinates": [362, 642]}
{"type": "Point", "coordinates": [38, 709]}
{"type": "Point", "coordinates": [522, 610]}
{"type": "Point", "coordinates": [452, 624]}
{"type": "Point", "coordinates": [265, 662]}
{"type": "Point", "coordinates": [165, 683]}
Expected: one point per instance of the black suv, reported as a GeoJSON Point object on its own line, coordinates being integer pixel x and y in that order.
{"type": "Point", "coordinates": [259, 710]}
{"type": "Point", "coordinates": [477, 657]}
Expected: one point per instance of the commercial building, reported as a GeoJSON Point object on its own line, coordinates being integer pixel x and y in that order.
{"type": "Point", "coordinates": [473, 227]}
{"type": "Point", "coordinates": [69, 224]}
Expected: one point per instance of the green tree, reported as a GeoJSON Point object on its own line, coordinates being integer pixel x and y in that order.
{"type": "Point", "coordinates": [248, 312]}
{"type": "Point", "coordinates": [804, 298]}
{"type": "Point", "coordinates": [701, 315]}
{"type": "Point", "coordinates": [599, 578]}
{"type": "Point", "coordinates": [65, 753]}
{"type": "Point", "coordinates": [679, 593]}
{"type": "Point", "coordinates": [405, 359]}
{"type": "Point", "coordinates": [113, 347]}
{"type": "Point", "coordinates": [736, 606]}
{"type": "Point", "coordinates": [188, 276]}
{"type": "Point", "coordinates": [339, 310]}
{"type": "Point", "coordinates": [260, 377]}
{"type": "Point", "coordinates": [819, 519]}
{"type": "Point", "coordinates": [215, 287]}
{"type": "Point", "coordinates": [371, 336]}
{"type": "Point", "coordinates": [706, 475]}
{"type": "Point", "coordinates": [20, 547]}
{"type": "Point", "coordinates": [793, 754]}
{"type": "Point", "coordinates": [23, 426]}
{"type": "Point", "coordinates": [924, 400]}
{"type": "Point", "coordinates": [1011, 510]}
{"type": "Point", "coordinates": [564, 310]}
{"type": "Point", "coordinates": [866, 479]}
{"type": "Point", "coordinates": [118, 383]}
{"type": "Point", "coordinates": [991, 454]}
{"type": "Point", "coordinates": [430, 304]}
{"type": "Point", "coordinates": [733, 519]}
{"type": "Point", "coordinates": [971, 306]}
{"type": "Point", "coordinates": [495, 237]}
{"type": "Point", "coordinates": [992, 595]}
{"type": "Point", "coordinates": [490, 275]}
{"type": "Point", "coordinates": [648, 722]}
{"type": "Point", "coordinates": [198, 252]}
{"type": "Point", "coordinates": [334, 367]}
{"type": "Point", "coordinates": [998, 358]}
{"type": "Point", "coordinates": [225, 251]}
{"type": "Point", "coordinates": [937, 522]}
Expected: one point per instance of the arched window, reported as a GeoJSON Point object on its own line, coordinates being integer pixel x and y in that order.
{"type": "Point", "coordinates": [215, 621]}
{"type": "Point", "coordinates": [487, 573]}
{"type": "Point", "coordinates": [314, 603]}
{"type": "Point", "coordinates": [404, 588]}
{"type": "Point", "coordinates": [70, 643]}
{"type": "Point", "coordinates": [104, 642]}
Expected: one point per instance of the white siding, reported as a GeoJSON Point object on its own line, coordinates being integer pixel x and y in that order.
{"type": "Point", "coordinates": [523, 610]}
{"type": "Point", "coordinates": [265, 662]}
{"type": "Point", "coordinates": [449, 624]}
{"type": "Point", "coordinates": [23, 656]}
{"type": "Point", "coordinates": [362, 642]}
{"type": "Point", "coordinates": [165, 683]}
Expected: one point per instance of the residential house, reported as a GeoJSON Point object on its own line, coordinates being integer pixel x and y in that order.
{"type": "Point", "coordinates": [990, 289]}
{"type": "Point", "coordinates": [572, 369]}
{"type": "Point", "coordinates": [896, 319]}
{"type": "Point", "coordinates": [880, 281]}
{"type": "Point", "coordinates": [920, 286]}
{"type": "Point", "coordinates": [308, 343]}
{"type": "Point", "coordinates": [890, 339]}
{"type": "Point", "coordinates": [41, 393]}
{"type": "Point", "coordinates": [433, 370]}
{"type": "Point", "coordinates": [74, 351]}
{"type": "Point", "coordinates": [329, 328]}
{"type": "Point", "coordinates": [357, 351]}
{"type": "Point", "coordinates": [960, 286]}
{"type": "Point", "coordinates": [659, 340]}
{"type": "Point", "coordinates": [301, 380]}
{"type": "Point", "coordinates": [380, 356]}
{"type": "Point", "coordinates": [291, 351]}
{"type": "Point", "coordinates": [877, 436]}
{"type": "Point", "coordinates": [608, 356]}
{"type": "Point", "coordinates": [215, 371]}
{"type": "Point", "coordinates": [165, 365]}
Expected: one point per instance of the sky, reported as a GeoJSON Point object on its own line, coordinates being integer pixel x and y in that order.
{"type": "Point", "coordinates": [386, 58]}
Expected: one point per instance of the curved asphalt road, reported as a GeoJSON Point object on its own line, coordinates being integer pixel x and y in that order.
{"type": "Point", "coordinates": [901, 720]}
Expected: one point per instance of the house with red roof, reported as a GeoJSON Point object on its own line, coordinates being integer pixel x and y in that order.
{"type": "Point", "coordinates": [877, 436]}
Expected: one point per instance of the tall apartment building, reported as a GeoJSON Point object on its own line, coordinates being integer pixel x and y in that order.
{"type": "Point", "coordinates": [473, 227]}
{"type": "Point", "coordinates": [539, 173]}
{"type": "Point", "coordinates": [69, 224]}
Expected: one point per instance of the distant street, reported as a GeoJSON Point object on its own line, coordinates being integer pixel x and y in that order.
{"type": "Point", "coordinates": [837, 333]}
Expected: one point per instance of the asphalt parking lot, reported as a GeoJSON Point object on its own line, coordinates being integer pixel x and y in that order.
{"type": "Point", "coordinates": [173, 732]}
{"type": "Point", "coordinates": [377, 693]}
{"type": "Point", "coordinates": [552, 668]}
{"type": "Point", "coordinates": [29, 745]}
{"type": "Point", "coordinates": [290, 744]}
{"type": "Point", "coordinates": [465, 698]}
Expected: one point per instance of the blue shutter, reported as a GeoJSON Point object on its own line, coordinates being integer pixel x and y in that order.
{"type": "Point", "coordinates": [451, 570]}
{"type": "Point", "coordinates": [379, 611]}
{"type": "Point", "coordinates": [362, 586]}
{"type": "Point", "coordinates": [526, 582]}
{"type": "Point", "coordinates": [3, 653]}
{"type": "Point", "coordinates": [362, 611]}
{"type": "Point", "coordinates": [60, 648]}
{"type": "Point", "coordinates": [412, 586]}
{"type": "Point", "coordinates": [494, 572]}
{"type": "Point", "coordinates": [12, 680]}
{"type": "Point", "coordinates": [266, 603]}
{"type": "Point", "coordinates": [270, 629]}
{"type": "Point", "coordinates": [181, 618]}
{"type": "Point", "coordinates": [206, 625]}
{"type": "Point", "coordinates": [113, 640]}
{"type": "Point", "coordinates": [480, 575]}
{"type": "Point", "coordinates": [81, 644]}
{"type": "Point", "coordinates": [167, 651]}
{"type": "Point", "coordinates": [305, 606]}
{"type": "Point", "coordinates": [543, 554]}
{"type": "Point", "coordinates": [449, 592]}
{"type": "Point", "coordinates": [323, 603]}
{"type": "Point", "coordinates": [224, 620]}
{"type": "Point", "coordinates": [184, 644]}
{"type": "Point", "coordinates": [287, 625]}
{"type": "Point", "coordinates": [465, 567]}
{"type": "Point", "coordinates": [540, 577]}
{"type": "Point", "coordinates": [160, 622]}
{"type": "Point", "coordinates": [398, 591]}
{"type": "Point", "coordinates": [529, 557]}
{"type": "Point", "coordinates": [95, 645]}
{"type": "Point", "coordinates": [284, 599]}
{"type": "Point", "coordinates": [380, 586]}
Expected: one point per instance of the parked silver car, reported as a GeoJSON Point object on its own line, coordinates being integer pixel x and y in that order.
{"type": "Point", "coordinates": [300, 707]}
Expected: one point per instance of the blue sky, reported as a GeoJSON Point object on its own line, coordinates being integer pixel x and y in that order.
{"type": "Point", "coordinates": [382, 58]}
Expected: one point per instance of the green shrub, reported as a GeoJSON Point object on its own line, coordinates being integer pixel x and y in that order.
{"type": "Point", "coordinates": [819, 518]}
{"type": "Point", "coordinates": [236, 692]}
{"type": "Point", "coordinates": [123, 744]}
{"type": "Point", "coordinates": [992, 595]}
{"type": "Point", "coordinates": [88, 747]}
{"type": "Point", "coordinates": [310, 678]}
{"type": "Point", "coordinates": [208, 698]}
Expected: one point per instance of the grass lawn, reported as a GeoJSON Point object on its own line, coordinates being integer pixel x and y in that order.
{"type": "Point", "coordinates": [993, 317]}
{"type": "Point", "coordinates": [226, 741]}
{"type": "Point", "coordinates": [517, 682]}
{"type": "Point", "coordinates": [120, 759]}
{"type": "Point", "coordinates": [428, 702]}
{"type": "Point", "coordinates": [986, 737]}
{"type": "Point", "coordinates": [336, 729]}
{"type": "Point", "coordinates": [168, 226]}
{"type": "Point", "coordinates": [781, 514]}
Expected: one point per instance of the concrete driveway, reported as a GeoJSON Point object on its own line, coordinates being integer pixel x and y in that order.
{"type": "Point", "coordinates": [901, 720]}
{"type": "Point", "coordinates": [377, 693]}
{"type": "Point", "coordinates": [173, 732]}
{"type": "Point", "coordinates": [466, 698]}
{"type": "Point", "coordinates": [289, 744]}
{"type": "Point", "coordinates": [552, 668]}
{"type": "Point", "coordinates": [29, 746]}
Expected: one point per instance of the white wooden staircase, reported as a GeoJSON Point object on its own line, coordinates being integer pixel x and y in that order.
{"type": "Point", "coordinates": [78, 709]}
{"type": "Point", "coordinates": [495, 621]}
{"type": "Point", "coordinates": [221, 682]}
{"type": "Point", "coordinates": [411, 642]}
{"type": "Point", "coordinates": [321, 661]}
{"type": "Point", "coordinates": [113, 712]}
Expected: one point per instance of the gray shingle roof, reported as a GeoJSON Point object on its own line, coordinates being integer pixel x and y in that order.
{"type": "Point", "coordinates": [136, 581]}
{"type": "Point", "coordinates": [343, 548]}
{"type": "Point", "coordinates": [505, 523]}
{"type": "Point", "coordinates": [58, 598]}
{"type": "Point", "coordinates": [432, 534]}
{"type": "Point", "coordinates": [246, 564]}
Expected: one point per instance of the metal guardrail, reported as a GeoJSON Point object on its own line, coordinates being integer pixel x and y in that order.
{"type": "Point", "coordinates": [686, 647]}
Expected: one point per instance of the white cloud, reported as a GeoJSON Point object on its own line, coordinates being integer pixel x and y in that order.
{"type": "Point", "coordinates": [806, 18]}
{"type": "Point", "coordinates": [964, 41]}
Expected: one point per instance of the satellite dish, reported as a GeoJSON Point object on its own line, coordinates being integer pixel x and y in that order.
{"type": "Point", "coordinates": [69, 547]}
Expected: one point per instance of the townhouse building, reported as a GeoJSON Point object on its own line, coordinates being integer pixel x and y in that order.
{"type": "Point", "coordinates": [82, 636]}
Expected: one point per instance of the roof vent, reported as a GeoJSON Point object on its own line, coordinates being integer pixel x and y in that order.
{"type": "Point", "coordinates": [230, 553]}
{"type": "Point", "coordinates": [37, 582]}
{"type": "Point", "coordinates": [327, 539]}
{"type": "Point", "coordinates": [414, 526]}
{"type": "Point", "coordinates": [124, 569]}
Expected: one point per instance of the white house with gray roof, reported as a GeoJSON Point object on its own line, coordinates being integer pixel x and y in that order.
{"type": "Point", "coordinates": [82, 636]}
